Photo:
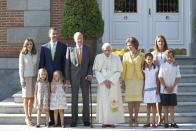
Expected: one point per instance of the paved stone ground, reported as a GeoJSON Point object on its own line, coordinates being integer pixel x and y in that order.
{"type": "Point", "coordinates": [122, 127]}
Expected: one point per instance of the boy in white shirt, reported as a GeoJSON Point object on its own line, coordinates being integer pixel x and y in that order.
{"type": "Point", "coordinates": [169, 76]}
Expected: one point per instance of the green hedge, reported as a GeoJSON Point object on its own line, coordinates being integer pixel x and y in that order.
{"type": "Point", "coordinates": [83, 16]}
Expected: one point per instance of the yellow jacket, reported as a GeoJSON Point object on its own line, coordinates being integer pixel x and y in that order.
{"type": "Point", "coordinates": [132, 67]}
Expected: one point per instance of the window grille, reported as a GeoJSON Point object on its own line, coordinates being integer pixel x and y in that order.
{"type": "Point", "coordinates": [125, 6]}
{"type": "Point", "coordinates": [167, 6]}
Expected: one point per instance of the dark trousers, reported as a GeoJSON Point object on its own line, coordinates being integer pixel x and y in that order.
{"type": "Point", "coordinates": [84, 85]}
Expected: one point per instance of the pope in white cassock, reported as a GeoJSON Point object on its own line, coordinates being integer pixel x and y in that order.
{"type": "Point", "coordinates": [107, 68]}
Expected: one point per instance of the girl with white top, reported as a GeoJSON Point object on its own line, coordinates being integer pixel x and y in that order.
{"type": "Point", "coordinates": [58, 97]}
{"type": "Point", "coordinates": [42, 91]}
{"type": "Point", "coordinates": [158, 59]}
{"type": "Point", "coordinates": [150, 91]}
{"type": "Point", "coordinates": [159, 49]}
{"type": "Point", "coordinates": [27, 73]}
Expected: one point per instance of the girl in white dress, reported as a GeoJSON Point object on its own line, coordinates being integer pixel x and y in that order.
{"type": "Point", "coordinates": [150, 91]}
{"type": "Point", "coordinates": [42, 91]}
{"type": "Point", "coordinates": [58, 97]}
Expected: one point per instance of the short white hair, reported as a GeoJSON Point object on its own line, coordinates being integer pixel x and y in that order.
{"type": "Point", "coordinates": [77, 34]}
{"type": "Point", "coordinates": [106, 45]}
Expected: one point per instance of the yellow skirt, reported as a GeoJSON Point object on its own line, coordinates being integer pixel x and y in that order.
{"type": "Point", "coordinates": [133, 90]}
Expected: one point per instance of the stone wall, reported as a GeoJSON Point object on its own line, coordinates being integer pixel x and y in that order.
{"type": "Point", "coordinates": [21, 19]}
{"type": "Point", "coordinates": [9, 81]}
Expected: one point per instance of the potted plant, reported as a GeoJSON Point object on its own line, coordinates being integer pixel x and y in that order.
{"type": "Point", "coordinates": [83, 16]}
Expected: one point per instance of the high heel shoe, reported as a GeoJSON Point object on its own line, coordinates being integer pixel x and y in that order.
{"type": "Point", "coordinates": [38, 126]}
{"type": "Point", "coordinates": [136, 123]}
{"type": "Point", "coordinates": [131, 122]}
{"type": "Point", "coordinates": [47, 125]}
{"type": "Point", "coordinates": [28, 122]}
{"type": "Point", "coordinates": [160, 122]}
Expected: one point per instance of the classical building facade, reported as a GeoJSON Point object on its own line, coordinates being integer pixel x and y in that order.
{"type": "Point", "coordinates": [143, 19]}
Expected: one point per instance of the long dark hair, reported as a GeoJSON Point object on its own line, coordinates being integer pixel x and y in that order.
{"type": "Point", "coordinates": [24, 48]}
{"type": "Point", "coordinates": [145, 64]}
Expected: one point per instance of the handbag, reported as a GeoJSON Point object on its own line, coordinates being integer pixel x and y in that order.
{"type": "Point", "coordinates": [114, 106]}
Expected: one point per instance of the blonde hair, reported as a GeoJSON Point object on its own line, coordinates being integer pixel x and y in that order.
{"type": "Point", "coordinates": [156, 48]}
{"type": "Point", "coordinates": [60, 76]}
{"type": "Point", "coordinates": [169, 51]}
{"type": "Point", "coordinates": [24, 48]}
{"type": "Point", "coordinates": [39, 74]}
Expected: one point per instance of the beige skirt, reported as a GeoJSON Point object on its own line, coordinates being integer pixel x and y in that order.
{"type": "Point", "coordinates": [28, 91]}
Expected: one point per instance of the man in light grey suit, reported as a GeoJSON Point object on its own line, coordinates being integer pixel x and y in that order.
{"type": "Point", "coordinates": [78, 72]}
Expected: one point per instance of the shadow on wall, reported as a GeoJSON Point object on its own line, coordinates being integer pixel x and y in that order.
{"type": "Point", "coordinates": [9, 83]}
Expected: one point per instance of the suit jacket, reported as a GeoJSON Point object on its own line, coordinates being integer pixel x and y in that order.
{"type": "Point", "coordinates": [74, 71]}
{"type": "Point", "coordinates": [132, 68]}
{"type": "Point", "coordinates": [27, 66]}
{"type": "Point", "coordinates": [48, 63]}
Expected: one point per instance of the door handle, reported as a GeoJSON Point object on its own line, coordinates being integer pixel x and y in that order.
{"type": "Point", "coordinates": [125, 17]}
{"type": "Point", "coordinates": [149, 11]}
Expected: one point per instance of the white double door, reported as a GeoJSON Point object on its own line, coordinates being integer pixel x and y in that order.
{"type": "Point", "coordinates": [145, 21]}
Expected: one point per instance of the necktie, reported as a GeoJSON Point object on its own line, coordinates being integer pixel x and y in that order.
{"type": "Point", "coordinates": [52, 51]}
{"type": "Point", "coordinates": [79, 55]}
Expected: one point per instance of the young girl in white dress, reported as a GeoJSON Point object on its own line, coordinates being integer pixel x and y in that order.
{"type": "Point", "coordinates": [42, 91]}
{"type": "Point", "coordinates": [58, 97]}
{"type": "Point", "coordinates": [150, 91]}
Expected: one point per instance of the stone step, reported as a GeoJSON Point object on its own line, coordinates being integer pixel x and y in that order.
{"type": "Point", "coordinates": [19, 118]}
{"type": "Point", "coordinates": [187, 87]}
{"type": "Point", "coordinates": [188, 78]}
{"type": "Point", "coordinates": [186, 97]}
{"type": "Point", "coordinates": [17, 108]}
{"type": "Point", "coordinates": [188, 69]}
{"type": "Point", "coordinates": [186, 60]}
{"type": "Point", "coordinates": [182, 97]}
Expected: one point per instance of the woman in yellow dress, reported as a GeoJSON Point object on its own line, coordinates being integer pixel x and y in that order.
{"type": "Point", "coordinates": [133, 78]}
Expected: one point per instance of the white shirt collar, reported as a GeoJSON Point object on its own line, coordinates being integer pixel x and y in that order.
{"type": "Point", "coordinates": [53, 43]}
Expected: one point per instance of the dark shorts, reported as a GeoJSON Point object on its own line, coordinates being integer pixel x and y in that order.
{"type": "Point", "coordinates": [168, 99]}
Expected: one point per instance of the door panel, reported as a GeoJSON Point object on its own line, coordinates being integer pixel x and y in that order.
{"type": "Point", "coordinates": [121, 30]}
{"type": "Point", "coordinates": [145, 19]}
{"type": "Point", "coordinates": [125, 20]}
{"type": "Point", "coordinates": [167, 20]}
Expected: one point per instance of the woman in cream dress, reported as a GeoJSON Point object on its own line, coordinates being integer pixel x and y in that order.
{"type": "Point", "coordinates": [133, 78]}
{"type": "Point", "coordinates": [27, 73]}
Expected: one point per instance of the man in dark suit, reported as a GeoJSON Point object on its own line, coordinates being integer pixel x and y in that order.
{"type": "Point", "coordinates": [53, 57]}
{"type": "Point", "coordinates": [78, 72]}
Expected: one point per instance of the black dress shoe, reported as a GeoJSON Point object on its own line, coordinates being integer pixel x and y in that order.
{"type": "Point", "coordinates": [87, 124]}
{"type": "Point", "coordinates": [166, 125]}
{"type": "Point", "coordinates": [51, 123]}
{"type": "Point", "coordinates": [73, 124]}
{"type": "Point", "coordinates": [174, 125]}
